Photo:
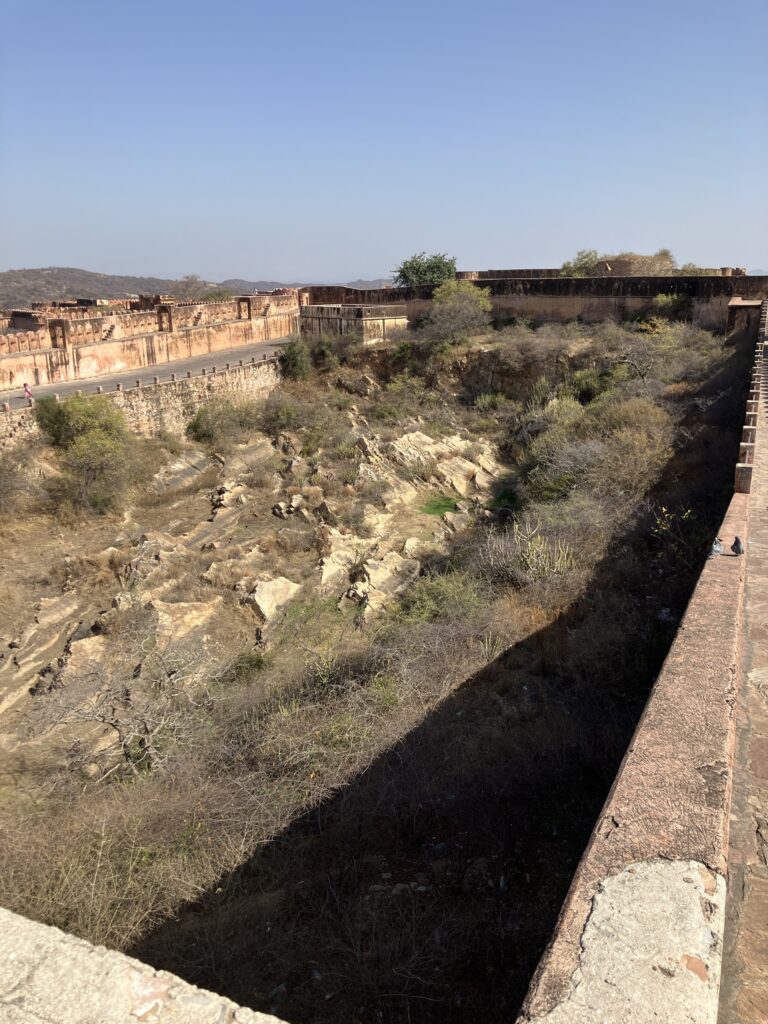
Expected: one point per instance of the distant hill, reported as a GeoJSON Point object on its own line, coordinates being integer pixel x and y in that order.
{"type": "Point", "coordinates": [18, 288]}
{"type": "Point", "coordinates": [239, 286]}
{"type": "Point", "coordinates": [376, 282]}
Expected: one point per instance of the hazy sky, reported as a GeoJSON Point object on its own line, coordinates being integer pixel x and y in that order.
{"type": "Point", "coordinates": [327, 141]}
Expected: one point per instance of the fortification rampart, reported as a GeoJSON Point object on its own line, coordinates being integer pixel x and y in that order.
{"type": "Point", "coordinates": [369, 323]}
{"type": "Point", "coordinates": [567, 298]}
{"type": "Point", "coordinates": [165, 405]}
{"type": "Point", "coordinates": [91, 353]}
{"type": "Point", "coordinates": [485, 275]}
{"type": "Point", "coordinates": [79, 348]}
{"type": "Point", "coordinates": [632, 266]}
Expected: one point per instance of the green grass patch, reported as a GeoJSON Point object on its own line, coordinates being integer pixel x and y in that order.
{"type": "Point", "coordinates": [438, 505]}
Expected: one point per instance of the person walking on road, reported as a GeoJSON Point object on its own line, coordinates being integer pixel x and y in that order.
{"type": "Point", "coordinates": [27, 391]}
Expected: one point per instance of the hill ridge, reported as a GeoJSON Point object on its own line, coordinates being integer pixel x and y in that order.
{"type": "Point", "coordinates": [19, 287]}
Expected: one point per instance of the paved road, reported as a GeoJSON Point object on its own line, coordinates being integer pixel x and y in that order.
{"type": "Point", "coordinates": [147, 374]}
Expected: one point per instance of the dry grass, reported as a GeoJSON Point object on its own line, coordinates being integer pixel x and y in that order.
{"type": "Point", "coordinates": [355, 743]}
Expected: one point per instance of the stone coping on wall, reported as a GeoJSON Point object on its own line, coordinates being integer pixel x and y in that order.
{"type": "Point", "coordinates": [46, 975]}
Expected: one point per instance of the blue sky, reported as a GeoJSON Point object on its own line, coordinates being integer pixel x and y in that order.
{"type": "Point", "coordinates": [327, 141]}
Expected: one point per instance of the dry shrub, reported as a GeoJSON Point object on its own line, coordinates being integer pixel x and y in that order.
{"type": "Point", "coordinates": [109, 867]}
{"type": "Point", "coordinates": [288, 727]}
{"type": "Point", "coordinates": [223, 421]}
{"type": "Point", "coordinates": [18, 480]}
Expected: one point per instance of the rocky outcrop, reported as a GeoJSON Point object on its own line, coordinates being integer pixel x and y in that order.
{"type": "Point", "coordinates": [378, 581]}
{"type": "Point", "coordinates": [270, 595]}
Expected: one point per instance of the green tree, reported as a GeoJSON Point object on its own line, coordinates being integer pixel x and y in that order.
{"type": "Point", "coordinates": [99, 469]}
{"type": "Point", "coordinates": [295, 360]}
{"type": "Point", "coordinates": [424, 269]}
{"type": "Point", "coordinates": [101, 459]}
{"type": "Point", "coordinates": [217, 295]}
{"type": "Point", "coordinates": [65, 421]}
{"type": "Point", "coordinates": [459, 308]}
{"type": "Point", "coordinates": [583, 264]}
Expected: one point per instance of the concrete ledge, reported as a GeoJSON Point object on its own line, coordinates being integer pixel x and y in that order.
{"type": "Point", "coordinates": [638, 939]}
{"type": "Point", "coordinates": [47, 976]}
{"type": "Point", "coordinates": [630, 972]}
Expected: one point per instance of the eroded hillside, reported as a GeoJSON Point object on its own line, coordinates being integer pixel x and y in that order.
{"type": "Point", "coordinates": [318, 709]}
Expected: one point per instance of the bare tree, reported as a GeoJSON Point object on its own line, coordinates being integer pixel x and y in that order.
{"type": "Point", "coordinates": [146, 697]}
{"type": "Point", "coordinates": [189, 288]}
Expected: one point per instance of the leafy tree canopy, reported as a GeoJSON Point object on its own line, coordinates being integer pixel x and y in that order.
{"type": "Point", "coordinates": [66, 421]}
{"type": "Point", "coordinates": [459, 308]}
{"type": "Point", "coordinates": [424, 269]}
{"type": "Point", "coordinates": [586, 262]}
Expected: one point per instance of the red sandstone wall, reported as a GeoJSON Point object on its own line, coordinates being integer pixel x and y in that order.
{"type": "Point", "coordinates": [24, 341]}
{"type": "Point", "coordinates": [80, 362]}
{"type": "Point", "coordinates": [559, 299]}
{"type": "Point", "coordinates": [484, 275]}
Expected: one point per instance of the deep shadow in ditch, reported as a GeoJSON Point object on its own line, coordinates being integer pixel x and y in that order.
{"type": "Point", "coordinates": [427, 888]}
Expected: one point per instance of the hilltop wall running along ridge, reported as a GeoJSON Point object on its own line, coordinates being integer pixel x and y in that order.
{"type": "Point", "coordinates": [43, 347]}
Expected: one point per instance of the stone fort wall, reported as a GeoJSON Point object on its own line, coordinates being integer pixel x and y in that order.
{"type": "Point", "coordinates": [567, 298]}
{"type": "Point", "coordinates": [166, 405]}
{"type": "Point", "coordinates": [87, 353]}
{"type": "Point", "coordinates": [41, 348]}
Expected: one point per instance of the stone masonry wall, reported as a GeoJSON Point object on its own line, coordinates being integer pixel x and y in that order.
{"type": "Point", "coordinates": [115, 355]}
{"type": "Point", "coordinates": [566, 298]}
{"type": "Point", "coordinates": [168, 405]}
{"type": "Point", "coordinates": [371, 323]}
{"type": "Point", "coordinates": [48, 976]}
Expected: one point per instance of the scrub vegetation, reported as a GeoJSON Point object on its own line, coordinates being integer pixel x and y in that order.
{"type": "Point", "coordinates": [359, 812]}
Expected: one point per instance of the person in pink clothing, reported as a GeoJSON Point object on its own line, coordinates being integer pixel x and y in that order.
{"type": "Point", "coordinates": [27, 392]}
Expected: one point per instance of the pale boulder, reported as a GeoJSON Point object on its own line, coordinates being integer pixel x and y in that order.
{"type": "Point", "coordinates": [270, 596]}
